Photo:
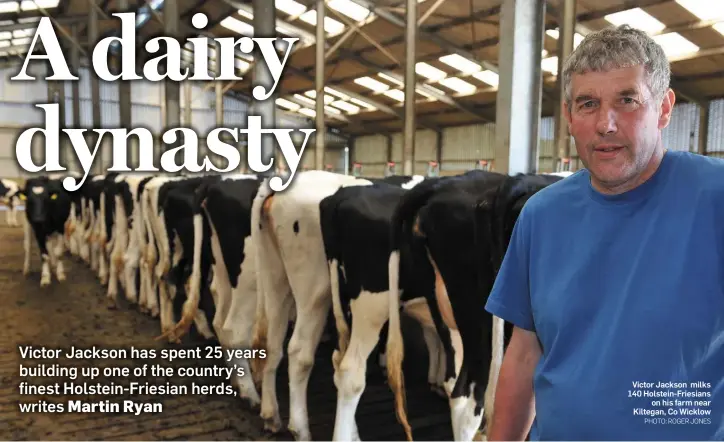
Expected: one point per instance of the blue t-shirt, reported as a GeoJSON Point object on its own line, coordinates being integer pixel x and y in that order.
{"type": "Point", "coordinates": [621, 290]}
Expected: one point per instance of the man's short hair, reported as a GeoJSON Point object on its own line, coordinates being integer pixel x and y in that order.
{"type": "Point", "coordinates": [615, 48]}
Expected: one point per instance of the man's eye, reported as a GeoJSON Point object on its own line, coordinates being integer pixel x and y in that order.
{"type": "Point", "coordinates": [627, 100]}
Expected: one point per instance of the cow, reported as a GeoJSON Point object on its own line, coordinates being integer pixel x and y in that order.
{"type": "Point", "coordinates": [454, 226]}
{"type": "Point", "coordinates": [356, 222]}
{"type": "Point", "coordinates": [130, 196]}
{"type": "Point", "coordinates": [287, 237]}
{"type": "Point", "coordinates": [224, 208]}
{"type": "Point", "coordinates": [9, 196]}
{"type": "Point", "coordinates": [47, 207]}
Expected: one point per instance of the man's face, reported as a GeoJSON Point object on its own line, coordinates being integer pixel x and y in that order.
{"type": "Point", "coordinates": [616, 123]}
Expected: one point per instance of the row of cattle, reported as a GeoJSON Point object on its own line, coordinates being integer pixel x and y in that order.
{"type": "Point", "coordinates": [242, 263]}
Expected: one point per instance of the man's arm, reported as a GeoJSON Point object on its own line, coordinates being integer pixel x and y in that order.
{"type": "Point", "coordinates": [514, 410]}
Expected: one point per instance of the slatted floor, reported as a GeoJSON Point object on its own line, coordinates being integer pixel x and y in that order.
{"type": "Point", "coordinates": [75, 313]}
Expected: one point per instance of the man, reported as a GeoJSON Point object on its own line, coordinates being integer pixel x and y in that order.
{"type": "Point", "coordinates": [614, 276]}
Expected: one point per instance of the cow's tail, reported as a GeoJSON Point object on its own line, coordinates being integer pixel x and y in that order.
{"type": "Point", "coordinates": [259, 228]}
{"type": "Point", "coordinates": [402, 219]}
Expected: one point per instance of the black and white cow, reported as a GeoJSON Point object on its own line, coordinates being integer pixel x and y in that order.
{"type": "Point", "coordinates": [356, 223]}
{"type": "Point", "coordinates": [47, 206]}
{"type": "Point", "coordinates": [9, 196]}
{"type": "Point", "coordinates": [450, 223]}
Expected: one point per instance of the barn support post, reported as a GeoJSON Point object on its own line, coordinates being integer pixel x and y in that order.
{"type": "Point", "coordinates": [566, 31]}
{"type": "Point", "coordinates": [703, 128]}
{"type": "Point", "coordinates": [188, 92]}
{"type": "Point", "coordinates": [172, 89]}
{"type": "Point", "coordinates": [319, 87]}
{"type": "Point", "coordinates": [218, 93]}
{"type": "Point", "coordinates": [408, 149]}
{"type": "Point", "coordinates": [265, 26]}
{"type": "Point", "coordinates": [75, 87]}
{"type": "Point", "coordinates": [518, 108]}
{"type": "Point", "coordinates": [100, 161]}
{"type": "Point", "coordinates": [124, 104]}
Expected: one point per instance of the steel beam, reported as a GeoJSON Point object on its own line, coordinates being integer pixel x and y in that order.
{"type": "Point", "coordinates": [264, 26]}
{"type": "Point", "coordinates": [319, 135]}
{"type": "Point", "coordinates": [408, 146]}
{"type": "Point", "coordinates": [566, 31]}
{"type": "Point", "coordinates": [522, 24]}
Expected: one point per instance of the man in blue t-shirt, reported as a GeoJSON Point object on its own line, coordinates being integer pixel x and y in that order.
{"type": "Point", "coordinates": [614, 276]}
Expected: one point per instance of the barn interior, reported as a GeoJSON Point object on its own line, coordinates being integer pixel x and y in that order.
{"type": "Point", "coordinates": [426, 87]}
{"type": "Point", "coordinates": [483, 72]}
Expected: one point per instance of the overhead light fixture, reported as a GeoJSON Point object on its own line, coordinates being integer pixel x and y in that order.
{"type": "Point", "coordinates": [331, 26]}
{"type": "Point", "coordinates": [637, 18]}
{"type": "Point", "coordinates": [458, 85]}
{"type": "Point", "coordinates": [349, 8]}
{"type": "Point", "coordinates": [371, 83]}
{"type": "Point", "coordinates": [674, 44]}
{"type": "Point", "coordinates": [238, 26]}
{"type": "Point", "coordinates": [704, 9]}
{"type": "Point", "coordinates": [395, 94]}
{"type": "Point", "coordinates": [487, 76]}
{"type": "Point", "coordinates": [290, 7]}
{"type": "Point", "coordinates": [460, 63]}
{"type": "Point", "coordinates": [429, 71]}
{"type": "Point", "coordinates": [347, 107]}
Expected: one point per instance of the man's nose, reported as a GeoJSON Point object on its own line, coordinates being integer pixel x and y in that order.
{"type": "Point", "coordinates": [606, 123]}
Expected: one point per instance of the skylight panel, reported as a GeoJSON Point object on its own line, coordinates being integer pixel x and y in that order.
{"type": "Point", "coordinates": [425, 94]}
{"type": "Point", "coordinates": [281, 102]}
{"type": "Point", "coordinates": [313, 95]}
{"type": "Point", "coordinates": [391, 79]}
{"type": "Point", "coordinates": [487, 76]}
{"type": "Point", "coordinates": [21, 41]}
{"type": "Point", "coordinates": [363, 103]}
{"type": "Point", "coordinates": [304, 99]}
{"type": "Point", "coordinates": [460, 63]}
{"type": "Point", "coordinates": [704, 9]}
{"type": "Point", "coordinates": [336, 93]}
{"type": "Point", "coordinates": [430, 72]}
{"type": "Point", "coordinates": [719, 27]}
{"type": "Point", "coordinates": [636, 18]}
{"type": "Point", "coordinates": [371, 83]}
{"type": "Point", "coordinates": [331, 26]}
{"type": "Point", "coordinates": [4, 43]}
{"type": "Point", "coordinates": [347, 107]}
{"type": "Point", "coordinates": [458, 85]}
{"type": "Point", "coordinates": [396, 94]}
{"type": "Point", "coordinates": [29, 5]}
{"type": "Point", "coordinates": [332, 110]}
{"type": "Point", "coordinates": [290, 7]}
{"type": "Point", "coordinates": [308, 112]}
{"type": "Point", "coordinates": [9, 7]}
{"type": "Point", "coordinates": [241, 64]}
{"type": "Point", "coordinates": [555, 34]}
{"type": "Point", "coordinates": [238, 26]}
{"type": "Point", "coordinates": [550, 64]}
{"type": "Point", "coordinates": [674, 44]}
{"type": "Point", "coordinates": [6, 35]}
{"type": "Point", "coordinates": [350, 9]}
{"type": "Point", "coordinates": [246, 14]}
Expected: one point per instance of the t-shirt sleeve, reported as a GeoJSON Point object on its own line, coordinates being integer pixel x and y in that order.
{"type": "Point", "coordinates": [510, 296]}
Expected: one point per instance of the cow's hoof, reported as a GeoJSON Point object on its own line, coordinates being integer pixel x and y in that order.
{"type": "Point", "coordinates": [273, 425]}
{"type": "Point", "coordinates": [44, 282]}
{"type": "Point", "coordinates": [306, 435]}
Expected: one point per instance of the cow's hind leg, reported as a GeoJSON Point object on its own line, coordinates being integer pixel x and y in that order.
{"type": "Point", "coordinates": [369, 315]}
{"type": "Point", "coordinates": [311, 319]}
{"type": "Point", "coordinates": [57, 250]}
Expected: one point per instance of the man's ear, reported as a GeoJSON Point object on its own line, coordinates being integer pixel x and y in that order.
{"type": "Point", "coordinates": [667, 107]}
